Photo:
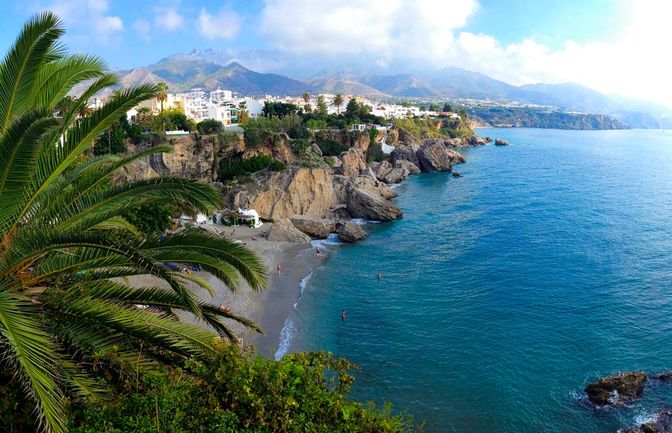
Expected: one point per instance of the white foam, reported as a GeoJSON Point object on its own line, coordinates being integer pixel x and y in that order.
{"type": "Point", "coordinates": [362, 221]}
{"type": "Point", "coordinates": [643, 418]}
{"type": "Point", "coordinates": [286, 337]}
{"type": "Point", "coordinates": [289, 328]}
{"type": "Point", "coordinates": [332, 239]}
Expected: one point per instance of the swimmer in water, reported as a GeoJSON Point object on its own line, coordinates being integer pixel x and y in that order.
{"type": "Point", "coordinates": [343, 315]}
{"type": "Point", "coordinates": [379, 275]}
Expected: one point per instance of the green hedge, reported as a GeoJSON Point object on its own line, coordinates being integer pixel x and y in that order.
{"type": "Point", "coordinates": [237, 167]}
{"type": "Point", "coordinates": [330, 147]}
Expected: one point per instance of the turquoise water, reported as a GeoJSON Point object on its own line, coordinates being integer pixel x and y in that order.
{"type": "Point", "coordinates": [548, 264]}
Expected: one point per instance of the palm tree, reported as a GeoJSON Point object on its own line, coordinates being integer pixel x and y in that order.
{"type": "Point", "coordinates": [66, 252]}
{"type": "Point", "coordinates": [306, 102]}
{"type": "Point", "coordinates": [161, 94]}
{"type": "Point", "coordinates": [338, 101]}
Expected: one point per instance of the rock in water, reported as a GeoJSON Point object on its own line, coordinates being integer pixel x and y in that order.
{"type": "Point", "coordinates": [501, 142]}
{"type": "Point", "coordinates": [284, 231]}
{"type": "Point", "coordinates": [314, 227]}
{"type": "Point", "coordinates": [662, 424]}
{"type": "Point", "coordinates": [350, 232]}
{"type": "Point", "coordinates": [456, 174]}
{"type": "Point", "coordinates": [616, 390]}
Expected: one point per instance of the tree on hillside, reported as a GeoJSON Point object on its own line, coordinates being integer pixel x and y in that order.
{"type": "Point", "coordinates": [162, 93]}
{"type": "Point", "coordinates": [243, 114]}
{"type": "Point", "coordinates": [63, 240]}
{"type": "Point", "coordinates": [447, 108]}
{"type": "Point", "coordinates": [352, 109]}
{"type": "Point", "coordinates": [338, 101]}
{"type": "Point", "coordinates": [322, 109]}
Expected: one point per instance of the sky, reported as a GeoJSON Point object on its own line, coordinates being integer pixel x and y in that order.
{"type": "Point", "coordinates": [613, 46]}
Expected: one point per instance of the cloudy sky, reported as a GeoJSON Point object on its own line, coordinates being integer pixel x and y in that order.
{"type": "Point", "coordinates": [615, 46]}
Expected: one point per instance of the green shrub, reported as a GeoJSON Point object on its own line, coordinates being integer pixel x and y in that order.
{"type": "Point", "coordinates": [330, 147]}
{"type": "Point", "coordinates": [301, 393]}
{"type": "Point", "coordinates": [236, 167]}
{"type": "Point", "coordinates": [112, 141]}
{"type": "Point", "coordinates": [299, 146]}
{"type": "Point", "coordinates": [209, 126]}
{"type": "Point", "coordinates": [152, 219]}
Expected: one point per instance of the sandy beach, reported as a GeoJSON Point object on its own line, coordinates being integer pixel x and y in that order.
{"type": "Point", "coordinates": [268, 308]}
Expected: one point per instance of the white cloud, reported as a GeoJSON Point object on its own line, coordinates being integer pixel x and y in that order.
{"type": "Point", "coordinates": [431, 33]}
{"type": "Point", "coordinates": [225, 24]}
{"type": "Point", "coordinates": [168, 18]}
{"type": "Point", "coordinates": [88, 15]}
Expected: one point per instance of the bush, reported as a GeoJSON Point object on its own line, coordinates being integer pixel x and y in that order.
{"type": "Point", "coordinates": [331, 148]}
{"type": "Point", "coordinates": [299, 146]}
{"type": "Point", "coordinates": [304, 392]}
{"type": "Point", "coordinates": [237, 167]}
{"type": "Point", "coordinates": [152, 219]}
{"type": "Point", "coordinates": [375, 150]}
{"type": "Point", "coordinates": [209, 126]}
{"type": "Point", "coordinates": [113, 141]}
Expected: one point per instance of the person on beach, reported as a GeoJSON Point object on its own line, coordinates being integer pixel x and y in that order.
{"type": "Point", "coordinates": [343, 315]}
{"type": "Point", "coordinates": [277, 267]}
{"type": "Point", "coordinates": [223, 308]}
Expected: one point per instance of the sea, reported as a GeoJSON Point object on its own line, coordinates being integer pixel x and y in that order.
{"type": "Point", "coordinates": [503, 292]}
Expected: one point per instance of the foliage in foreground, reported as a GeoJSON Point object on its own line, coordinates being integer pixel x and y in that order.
{"type": "Point", "coordinates": [304, 392]}
{"type": "Point", "coordinates": [66, 251]}
{"type": "Point", "coordinates": [235, 167]}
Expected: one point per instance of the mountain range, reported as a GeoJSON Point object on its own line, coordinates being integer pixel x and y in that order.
{"type": "Point", "coordinates": [210, 69]}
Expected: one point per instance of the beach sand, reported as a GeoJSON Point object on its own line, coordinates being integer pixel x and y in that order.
{"type": "Point", "coordinates": [268, 308]}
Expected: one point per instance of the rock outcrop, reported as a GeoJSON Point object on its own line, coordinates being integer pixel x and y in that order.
{"type": "Point", "coordinates": [284, 194]}
{"type": "Point", "coordinates": [350, 231]}
{"type": "Point", "coordinates": [318, 228]}
{"type": "Point", "coordinates": [284, 231]}
{"type": "Point", "coordinates": [475, 140]}
{"type": "Point", "coordinates": [616, 390]}
{"type": "Point", "coordinates": [366, 198]}
{"type": "Point", "coordinates": [388, 173]}
{"type": "Point", "coordinates": [353, 162]}
{"type": "Point", "coordinates": [661, 424]}
{"type": "Point", "coordinates": [406, 152]}
{"type": "Point", "coordinates": [433, 155]}
{"type": "Point", "coordinates": [191, 157]}
{"type": "Point", "coordinates": [501, 142]}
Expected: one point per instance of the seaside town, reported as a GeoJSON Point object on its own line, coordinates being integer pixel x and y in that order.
{"type": "Point", "coordinates": [335, 217]}
{"type": "Point", "coordinates": [222, 106]}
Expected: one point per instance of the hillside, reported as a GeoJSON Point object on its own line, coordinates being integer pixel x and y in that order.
{"type": "Point", "coordinates": [212, 68]}
{"type": "Point", "coordinates": [541, 118]}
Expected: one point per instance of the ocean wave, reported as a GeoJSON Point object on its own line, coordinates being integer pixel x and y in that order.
{"type": "Point", "coordinates": [286, 337]}
{"type": "Point", "coordinates": [332, 239]}
{"type": "Point", "coordinates": [289, 329]}
{"type": "Point", "coordinates": [362, 221]}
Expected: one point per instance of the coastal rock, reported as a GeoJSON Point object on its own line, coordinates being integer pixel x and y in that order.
{"type": "Point", "coordinates": [314, 227]}
{"type": "Point", "coordinates": [456, 174]}
{"type": "Point", "coordinates": [434, 156]}
{"type": "Point", "coordinates": [661, 424]}
{"type": "Point", "coordinates": [369, 199]}
{"type": "Point", "coordinates": [350, 231]}
{"type": "Point", "coordinates": [616, 390]}
{"type": "Point", "coordinates": [475, 140]}
{"type": "Point", "coordinates": [408, 166]}
{"type": "Point", "coordinates": [501, 142]}
{"type": "Point", "coordinates": [191, 158]}
{"type": "Point", "coordinates": [380, 169]}
{"type": "Point", "coordinates": [284, 231]}
{"type": "Point", "coordinates": [405, 153]}
{"type": "Point", "coordinates": [283, 194]}
{"type": "Point", "coordinates": [353, 162]}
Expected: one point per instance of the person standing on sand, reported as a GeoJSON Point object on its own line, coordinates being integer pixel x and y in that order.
{"type": "Point", "coordinates": [277, 267]}
{"type": "Point", "coordinates": [343, 315]}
